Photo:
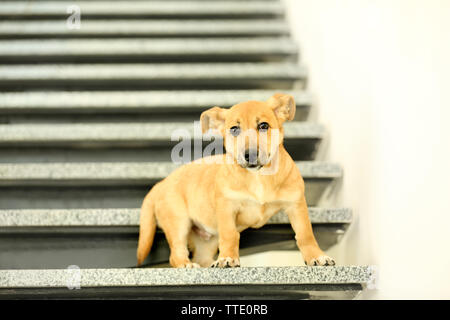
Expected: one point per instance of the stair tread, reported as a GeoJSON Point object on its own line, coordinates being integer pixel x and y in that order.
{"type": "Point", "coordinates": [146, 47]}
{"type": "Point", "coordinates": [140, 8]}
{"type": "Point", "coordinates": [174, 277]}
{"type": "Point", "coordinates": [98, 132]}
{"type": "Point", "coordinates": [96, 171]}
{"type": "Point", "coordinates": [130, 217]}
{"type": "Point", "coordinates": [122, 27]}
{"type": "Point", "coordinates": [143, 71]}
{"type": "Point", "coordinates": [104, 100]}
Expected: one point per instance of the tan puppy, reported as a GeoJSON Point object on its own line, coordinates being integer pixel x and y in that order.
{"type": "Point", "coordinates": [206, 205]}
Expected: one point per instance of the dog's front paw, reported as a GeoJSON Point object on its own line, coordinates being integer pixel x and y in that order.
{"type": "Point", "coordinates": [321, 261]}
{"type": "Point", "coordinates": [226, 263]}
{"type": "Point", "coordinates": [189, 265]}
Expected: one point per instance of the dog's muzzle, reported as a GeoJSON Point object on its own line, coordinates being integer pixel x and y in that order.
{"type": "Point", "coordinates": [251, 160]}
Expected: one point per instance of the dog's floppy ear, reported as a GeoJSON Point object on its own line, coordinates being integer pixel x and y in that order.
{"type": "Point", "coordinates": [213, 118]}
{"type": "Point", "coordinates": [283, 105]}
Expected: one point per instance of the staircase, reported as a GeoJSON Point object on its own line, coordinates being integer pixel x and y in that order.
{"type": "Point", "coordinates": [86, 123]}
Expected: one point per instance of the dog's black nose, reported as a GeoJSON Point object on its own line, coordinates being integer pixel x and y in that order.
{"type": "Point", "coordinates": [251, 156]}
{"type": "Point", "coordinates": [247, 155]}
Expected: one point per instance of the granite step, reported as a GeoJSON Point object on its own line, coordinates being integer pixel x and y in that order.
{"type": "Point", "coordinates": [115, 106]}
{"type": "Point", "coordinates": [62, 219]}
{"type": "Point", "coordinates": [145, 50]}
{"type": "Point", "coordinates": [141, 9]}
{"type": "Point", "coordinates": [55, 238]}
{"type": "Point", "coordinates": [340, 282]}
{"type": "Point", "coordinates": [126, 133]}
{"type": "Point", "coordinates": [134, 173]}
{"type": "Point", "coordinates": [128, 141]}
{"type": "Point", "coordinates": [158, 133]}
{"type": "Point", "coordinates": [144, 28]}
{"type": "Point", "coordinates": [114, 185]}
{"type": "Point", "coordinates": [152, 76]}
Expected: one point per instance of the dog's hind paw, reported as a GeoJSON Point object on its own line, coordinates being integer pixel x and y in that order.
{"type": "Point", "coordinates": [321, 261]}
{"type": "Point", "coordinates": [226, 263]}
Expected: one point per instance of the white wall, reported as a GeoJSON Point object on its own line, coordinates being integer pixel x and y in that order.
{"type": "Point", "coordinates": [380, 72]}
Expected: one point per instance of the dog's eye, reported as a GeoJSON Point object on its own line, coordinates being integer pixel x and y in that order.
{"type": "Point", "coordinates": [263, 126]}
{"type": "Point", "coordinates": [235, 131]}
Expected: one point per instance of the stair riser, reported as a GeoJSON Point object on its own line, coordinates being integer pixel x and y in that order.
{"type": "Point", "coordinates": [138, 50]}
{"type": "Point", "coordinates": [148, 84]}
{"type": "Point", "coordinates": [117, 151]}
{"type": "Point", "coordinates": [222, 292]}
{"type": "Point", "coordinates": [116, 247]}
{"type": "Point", "coordinates": [139, 34]}
{"type": "Point", "coordinates": [152, 76]}
{"type": "Point", "coordinates": [10, 116]}
{"type": "Point", "coordinates": [155, 29]}
{"type": "Point", "coordinates": [129, 106]}
{"type": "Point", "coordinates": [42, 194]}
{"type": "Point", "coordinates": [152, 102]}
{"type": "Point", "coordinates": [139, 9]}
{"type": "Point", "coordinates": [145, 58]}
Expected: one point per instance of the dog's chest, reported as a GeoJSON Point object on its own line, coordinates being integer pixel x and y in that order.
{"type": "Point", "coordinates": [255, 194]}
{"type": "Point", "coordinates": [253, 215]}
{"type": "Point", "coordinates": [255, 205]}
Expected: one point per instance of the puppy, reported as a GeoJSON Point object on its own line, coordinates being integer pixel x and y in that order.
{"type": "Point", "coordinates": [204, 205]}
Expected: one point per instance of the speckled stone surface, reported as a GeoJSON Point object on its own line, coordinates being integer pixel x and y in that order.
{"type": "Point", "coordinates": [95, 171]}
{"type": "Point", "coordinates": [147, 27]}
{"type": "Point", "coordinates": [137, 99]}
{"type": "Point", "coordinates": [146, 75]}
{"type": "Point", "coordinates": [139, 8]}
{"type": "Point", "coordinates": [144, 47]}
{"type": "Point", "coordinates": [176, 277]}
{"type": "Point", "coordinates": [155, 72]}
{"type": "Point", "coordinates": [319, 215]}
{"type": "Point", "coordinates": [98, 132]}
{"type": "Point", "coordinates": [130, 217]}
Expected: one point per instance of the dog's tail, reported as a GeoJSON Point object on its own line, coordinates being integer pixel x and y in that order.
{"type": "Point", "coordinates": [147, 228]}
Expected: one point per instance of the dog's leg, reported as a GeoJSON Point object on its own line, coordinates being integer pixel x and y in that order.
{"type": "Point", "coordinates": [306, 242]}
{"type": "Point", "coordinates": [176, 227]}
{"type": "Point", "coordinates": [204, 251]}
{"type": "Point", "coordinates": [228, 237]}
{"type": "Point", "coordinates": [179, 253]}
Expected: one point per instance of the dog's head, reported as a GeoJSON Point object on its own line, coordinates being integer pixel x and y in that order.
{"type": "Point", "coordinates": [252, 130]}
